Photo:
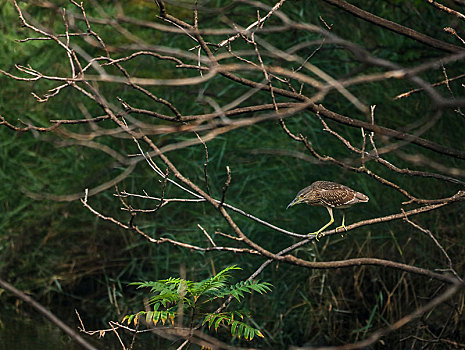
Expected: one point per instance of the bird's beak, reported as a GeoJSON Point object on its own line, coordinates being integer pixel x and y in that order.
{"type": "Point", "coordinates": [294, 202]}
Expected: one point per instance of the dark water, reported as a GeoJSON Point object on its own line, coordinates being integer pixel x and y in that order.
{"type": "Point", "coordinates": [27, 333]}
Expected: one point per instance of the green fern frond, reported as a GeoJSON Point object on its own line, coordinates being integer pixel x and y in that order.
{"type": "Point", "coordinates": [176, 282]}
{"type": "Point", "coordinates": [213, 284]}
{"type": "Point", "coordinates": [238, 328]}
{"type": "Point", "coordinates": [152, 316]}
{"type": "Point", "coordinates": [256, 286]}
{"type": "Point", "coordinates": [239, 289]}
{"type": "Point", "coordinates": [155, 286]}
{"type": "Point", "coordinates": [167, 296]}
{"type": "Point", "coordinates": [166, 291]}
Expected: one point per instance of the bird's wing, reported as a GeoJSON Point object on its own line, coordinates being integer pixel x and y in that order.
{"type": "Point", "coordinates": [336, 197]}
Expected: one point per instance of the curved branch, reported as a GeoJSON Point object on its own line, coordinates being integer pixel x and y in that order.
{"type": "Point", "coordinates": [59, 323]}
{"type": "Point", "coordinates": [395, 27]}
{"type": "Point", "coordinates": [319, 108]}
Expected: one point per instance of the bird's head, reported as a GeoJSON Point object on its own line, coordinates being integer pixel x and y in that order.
{"type": "Point", "coordinates": [297, 200]}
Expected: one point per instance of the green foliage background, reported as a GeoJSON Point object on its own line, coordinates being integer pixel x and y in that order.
{"type": "Point", "coordinates": [67, 258]}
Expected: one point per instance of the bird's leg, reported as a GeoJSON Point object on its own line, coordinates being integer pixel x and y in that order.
{"type": "Point", "coordinates": [343, 226]}
{"type": "Point", "coordinates": [330, 211]}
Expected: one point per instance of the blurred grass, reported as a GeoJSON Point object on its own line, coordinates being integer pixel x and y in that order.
{"type": "Point", "coordinates": [65, 256]}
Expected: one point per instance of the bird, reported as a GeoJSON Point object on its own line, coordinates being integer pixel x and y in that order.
{"type": "Point", "coordinates": [330, 195]}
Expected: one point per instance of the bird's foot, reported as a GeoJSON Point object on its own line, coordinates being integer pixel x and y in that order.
{"type": "Point", "coordinates": [343, 227]}
{"type": "Point", "coordinates": [316, 234]}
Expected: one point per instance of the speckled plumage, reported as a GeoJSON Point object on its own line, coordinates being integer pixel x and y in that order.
{"type": "Point", "coordinates": [329, 195]}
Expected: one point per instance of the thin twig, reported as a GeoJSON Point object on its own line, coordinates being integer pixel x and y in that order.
{"type": "Point", "coordinates": [225, 187]}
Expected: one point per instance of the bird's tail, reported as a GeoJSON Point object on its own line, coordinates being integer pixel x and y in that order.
{"type": "Point", "coordinates": [362, 197]}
